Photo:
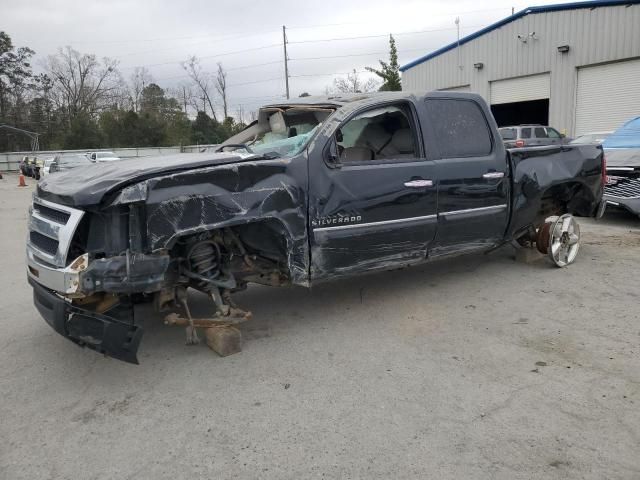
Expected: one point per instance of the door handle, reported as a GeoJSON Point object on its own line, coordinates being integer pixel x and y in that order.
{"type": "Point", "coordinates": [493, 175]}
{"type": "Point", "coordinates": [418, 183]}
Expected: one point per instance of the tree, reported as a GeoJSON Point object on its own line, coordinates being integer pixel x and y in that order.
{"type": "Point", "coordinates": [202, 80]}
{"type": "Point", "coordinates": [221, 88]}
{"type": "Point", "coordinates": [82, 85]}
{"type": "Point", "coordinates": [139, 79]}
{"type": "Point", "coordinates": [389, 72]}
{"type": "Point", "coordinates": [83, 132]}
{"type": "Point", "coordinates": [353, 84]}
{"type": "Point", "coordinates": [304, 94]}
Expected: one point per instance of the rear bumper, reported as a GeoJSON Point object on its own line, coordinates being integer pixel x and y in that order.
{"type": "Point", "coordinates": [102, 333]}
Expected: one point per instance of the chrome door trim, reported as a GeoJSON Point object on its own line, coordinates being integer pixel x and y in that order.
{"type": "Point", "coordinates": [492, 208]}
{"type": "Point", "coordinates": [373, 224]}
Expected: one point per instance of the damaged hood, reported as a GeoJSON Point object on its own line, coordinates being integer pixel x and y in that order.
{"type": "Point", "coordinates": [86, 186]}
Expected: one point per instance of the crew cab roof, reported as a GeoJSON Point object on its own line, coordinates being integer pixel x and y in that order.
{"type": "Point", "coordinates": [339, 100]}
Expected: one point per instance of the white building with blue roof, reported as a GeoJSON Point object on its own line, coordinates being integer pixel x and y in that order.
{"type": "Point", "coordinates": [575, 66]}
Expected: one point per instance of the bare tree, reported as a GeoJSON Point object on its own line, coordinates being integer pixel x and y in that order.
{"type": "Point", "coordinates": [352, 83]}
{"type": "Point", "coordinates": [140, 78]}
{"type": "Point", "coordinates": [202, 81]}
{"type": "Point", "coordinates": [221, 87]}
{"type": "Point", "coordinates": [81, 84]}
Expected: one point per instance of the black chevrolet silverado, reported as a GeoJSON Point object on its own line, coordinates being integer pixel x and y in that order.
{"type": "Point", "coordinates": [315, 189]}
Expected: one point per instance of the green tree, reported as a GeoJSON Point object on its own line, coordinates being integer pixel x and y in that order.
{"type": "Point", "coordinates": [389, 72]}
{"type": "Point", "coordinates": [82, 133]}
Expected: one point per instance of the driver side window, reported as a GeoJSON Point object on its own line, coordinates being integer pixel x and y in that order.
{"type": "Point", "coordinates": [377, 134]}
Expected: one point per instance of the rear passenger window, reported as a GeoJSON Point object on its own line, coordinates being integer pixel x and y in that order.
{"type": "Point", "coordinates": [525, 133]}
{"type": "Point", "coordinates": [541, 132]}
{"type": "Point", "coordinates": [460, 127]}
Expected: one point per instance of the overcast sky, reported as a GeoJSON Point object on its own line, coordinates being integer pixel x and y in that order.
{"type": "Point", "coordinates": [160, 34]}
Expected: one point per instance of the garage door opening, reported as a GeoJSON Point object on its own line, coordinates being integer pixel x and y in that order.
{"type": "Point", "coordinates": [518, 113]}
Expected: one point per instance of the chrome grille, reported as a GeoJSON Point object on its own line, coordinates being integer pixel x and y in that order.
{"type": "Point", "coordinates": [57, 216]}
{"type": "Point", "coordinates": [51, 229]}
{"type": "Point", "coordinates": [624, 187]}
{"type": "Point", "coordinates": [43, 243]}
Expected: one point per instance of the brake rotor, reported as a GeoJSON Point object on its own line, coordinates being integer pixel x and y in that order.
{"type": "Point", "coordinates": [564, 240]}
{"type": "Point", "coordinates": [542, 241]}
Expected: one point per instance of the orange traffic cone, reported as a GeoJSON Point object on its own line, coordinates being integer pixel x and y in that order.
{"type": "Point", "coordinates": [22, 183]}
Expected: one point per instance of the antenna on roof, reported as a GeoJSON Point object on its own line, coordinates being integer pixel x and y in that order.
{"type": "Point", "coordinates": [458, 46]}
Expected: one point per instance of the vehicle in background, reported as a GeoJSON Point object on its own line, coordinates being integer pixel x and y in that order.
{"type": "Point", "coordinates": [102, 157]}
{"type": "Point", "coordinates": [531, 136]}
{"type": "Point", "coordinates": [46, 165]}
{"type": "Point", "coordinates": [622, 151]}
{"type": "Point", "coordinates": [590, 138]}
{"type": "Point", "coordinates": [314, 189]}
{"type": "Point", "coordinates": [33, 166]}
{"type": "Point", "coordinates": [62, 163]}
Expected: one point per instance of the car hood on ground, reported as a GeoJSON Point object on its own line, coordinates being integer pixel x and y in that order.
{"type": "Point", "coordinates": [86, 186]}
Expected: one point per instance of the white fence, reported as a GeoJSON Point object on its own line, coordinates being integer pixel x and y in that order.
{"type": "Point", "coordinates": [10, 161]}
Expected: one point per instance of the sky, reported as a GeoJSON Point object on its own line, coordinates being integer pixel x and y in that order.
{"type": "Point", "coordinates": [246, 37]}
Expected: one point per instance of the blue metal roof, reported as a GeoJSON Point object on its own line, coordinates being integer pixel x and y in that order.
{"type": "Point", "coordinates": [516, 16]}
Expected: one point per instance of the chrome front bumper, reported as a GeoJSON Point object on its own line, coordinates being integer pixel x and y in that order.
{"type": "Point", "coordinates": [62, 280]}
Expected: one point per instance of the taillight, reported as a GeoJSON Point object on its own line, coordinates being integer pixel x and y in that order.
{"type": "Point", "coordinates": [604, 170]}
{"type": "Point", "coordinates": [519, 143]}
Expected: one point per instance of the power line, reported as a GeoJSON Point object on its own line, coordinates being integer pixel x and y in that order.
{"type": "Point", "coordinates": [254, 82]}
{"type": "Point", "coordinates": [207, 56]}
{"type": "Point", "coordinates": [357, 54]}
{"type": "Point", "coordinates": [328, 74]}
{"type": "Point", "coordinates": [161, 39]}
{"type": "Point", "coordinates": [446, 14]}
{"type": "Point", "coordinates": [377, 36]}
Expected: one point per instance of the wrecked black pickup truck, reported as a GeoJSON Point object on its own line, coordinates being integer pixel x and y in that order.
{"type": "Point", "coordinates": [315, 189]}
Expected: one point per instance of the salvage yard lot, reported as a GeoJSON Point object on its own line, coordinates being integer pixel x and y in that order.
{"type": "Point", "coordinates": [477, 367]}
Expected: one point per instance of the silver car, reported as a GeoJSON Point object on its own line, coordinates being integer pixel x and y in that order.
{"type": "Point", "coordinates": [531, 136]}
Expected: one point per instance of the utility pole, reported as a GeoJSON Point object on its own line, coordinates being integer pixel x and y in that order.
{"type": "Point", "coordinates": [286, 65]}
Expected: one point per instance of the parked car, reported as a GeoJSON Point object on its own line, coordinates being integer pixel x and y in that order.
{"type": "Point", "coordinates": [594, 137]}
{"type": "Point", "coordinates": [622, 149]}
{"type": "Point", "coordinates": [531, 136]}
{"type": "Point", "coordinates": [315, 189]}
{"type": "Point", "coordinates": [67, 162]}
{"type": "Point", "coordinates": [102, 157]}
{"type": "Point", "coordinates": [46, 165]}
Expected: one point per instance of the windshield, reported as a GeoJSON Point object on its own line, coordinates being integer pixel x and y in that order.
{"type": "Point", "coordinates": [508, 133]}
{"type": "Point", "coordinates": [280, 131]}
{"type": "Point", "coordinates": [284, 147]}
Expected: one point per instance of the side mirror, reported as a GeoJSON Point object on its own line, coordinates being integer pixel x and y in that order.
{"type": "Point", "coordinates": [562, 135]}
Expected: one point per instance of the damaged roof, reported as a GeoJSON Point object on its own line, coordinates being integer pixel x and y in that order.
{"type": "Point", "coordinates": [340, 99]}
{"type": "Point", "coordinates": [516, 16]}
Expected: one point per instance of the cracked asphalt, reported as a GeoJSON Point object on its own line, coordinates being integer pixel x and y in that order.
{"type": "Point", "coordinates": [476, 367]}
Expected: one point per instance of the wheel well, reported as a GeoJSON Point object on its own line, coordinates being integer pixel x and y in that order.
{"type": "Point", "coordinates": [251, 252]}
{"type": "Point", "coordinates": [570, 197]}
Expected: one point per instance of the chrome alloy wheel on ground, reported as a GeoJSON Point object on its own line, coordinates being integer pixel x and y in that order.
{"type": "Point", "coordinates": [564, 240]}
